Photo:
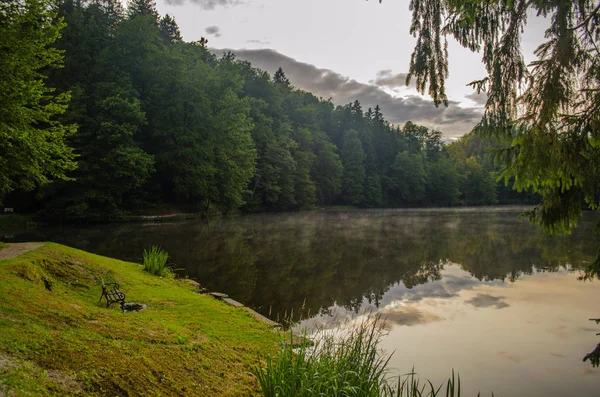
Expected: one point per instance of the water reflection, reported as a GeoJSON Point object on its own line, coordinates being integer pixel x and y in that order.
{"type": "Point", "coordinates": [594, 355]}
{"type": "Point", "coordinates": [525, 338]}
{"type": "Point", "coordinates": [479, 291]}
{"type": "Point", "coordinates": [282, 262]}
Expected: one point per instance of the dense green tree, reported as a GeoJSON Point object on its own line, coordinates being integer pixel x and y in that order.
{"type": "Point", "coordinates": [112, 163]}
{"type": "Point", "coordinates": [443, 187]}
{"type": "Point", "coordinates": [479, 187]}
{"type": "Point", "coordinates": [373, 193]}
{"type": "Point", "coordinates": [165, 123]}
{"type": "Point", "coordinates": [32, 139]}
{"type": "Point", "coordinates": [235, 150]}
{"type": "Point", "coordinates": [410, 178]}
{"type": "Point", "coordinates": [142, 8]}
{"type": "Point", "coordinates": [327, 170]}
{"type": "Point", "coordinates": [353, 177]}
{"type": "Point", "coordinates": [169, 30]}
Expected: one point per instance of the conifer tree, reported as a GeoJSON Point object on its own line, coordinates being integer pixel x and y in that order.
{"type": "Point", "coordinates": [280, 78]}
{"type": "Point", "coordinates": [142, 8]}
{"type": "Point", "coordinates": [353, 177]}
{"type": "Point", "coordinates": [169, 30]}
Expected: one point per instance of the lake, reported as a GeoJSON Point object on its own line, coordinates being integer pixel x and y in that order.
{"type": "Point", "coordinates": [478, 290]}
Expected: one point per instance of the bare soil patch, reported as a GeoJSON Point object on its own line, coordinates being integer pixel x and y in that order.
{"type": "Point", "coordinates": [15, 249]}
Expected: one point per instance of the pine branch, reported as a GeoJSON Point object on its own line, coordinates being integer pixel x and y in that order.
{"type": "Point", "coordinates": [587, 19]}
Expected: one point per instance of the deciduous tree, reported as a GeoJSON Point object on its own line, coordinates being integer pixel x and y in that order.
{"type": "Point", "coordinates": [32, 139]}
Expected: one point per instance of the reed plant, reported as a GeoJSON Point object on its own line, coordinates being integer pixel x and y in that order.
{"type": "Point", "coordinates": [347, 365]}
{"type": "Point", "coordinates": [155, 262]}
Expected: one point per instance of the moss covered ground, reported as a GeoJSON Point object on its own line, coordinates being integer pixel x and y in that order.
{"type": "Point", "coordinates": [64, 342]}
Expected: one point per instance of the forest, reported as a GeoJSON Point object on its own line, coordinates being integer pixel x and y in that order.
{"type": "Point", "coordinates": [129, 118]}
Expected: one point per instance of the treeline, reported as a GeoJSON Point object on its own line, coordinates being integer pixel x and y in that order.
{"type": "Point", "coordinates": [163, 122]}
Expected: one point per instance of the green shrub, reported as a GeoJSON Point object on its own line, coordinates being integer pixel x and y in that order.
{"type": "Point", "coordinates": [155, 262]}
{"type": "Point", "coordinates": [351, 365]}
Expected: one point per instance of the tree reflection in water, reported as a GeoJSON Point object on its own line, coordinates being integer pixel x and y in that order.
{"type": "Point", "coordinates": [594, 355]}
{"type": "Point", "coordinates": [308, 262]}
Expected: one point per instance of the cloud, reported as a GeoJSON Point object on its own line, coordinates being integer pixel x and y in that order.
{"type": "Point", "coordinates": [261, 42]}
{"type": "Point", "coordinates": [448, 287]}
{"type": "Point", "coordinates": [407, 316]}
{"type": "Point", "coordinates": [485, 300]}
{"type": "Point", "coordinates": [213, 31]}
{"type": "Point", "coordinates": [480, 99]}
{"type": "Point", "coordinates": [206, 4]}
{"type": "Point", "coordinates": [453, 121]}
{"type": "Point", "coordinates": [385, 78]}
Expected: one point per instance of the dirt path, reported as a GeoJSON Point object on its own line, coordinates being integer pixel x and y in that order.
{"type": "Point", "coordinates": [15, 249]}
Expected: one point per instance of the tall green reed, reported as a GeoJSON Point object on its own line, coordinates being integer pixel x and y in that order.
{"type": "Point", "coordinates": [347, 365]}
{"type": "Point", "coordinates": [155, 262]}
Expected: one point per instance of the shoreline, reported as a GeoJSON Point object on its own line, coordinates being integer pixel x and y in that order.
{"type": "Point", "coordinates": [16, 220]}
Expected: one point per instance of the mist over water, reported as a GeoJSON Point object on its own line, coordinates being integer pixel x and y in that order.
{"type": "Point", "coordinates": [477, 290]}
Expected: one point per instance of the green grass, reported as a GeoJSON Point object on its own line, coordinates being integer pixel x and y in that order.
{"type": "Point", "coordinates": [410, 386]}
{"type": "Point", "coordinates": [351, 365]}
{"type": "Point", "coordinates": [348, 366]}
{"type": "Point", "coordinates": [155, 262]}
{"type": "Point", "coordinates": [65, 342]}
{"type": "Point", "coordinates": [2, 245]}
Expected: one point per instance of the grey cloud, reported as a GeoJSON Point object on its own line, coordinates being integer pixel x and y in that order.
{"type": "Point", "coordinates": [408, 316]}
{"type": "Point", "coordinates": [385, 78]}
{"type": "Point", "coordinates": [453, 121]}
{"type": "Point", "coordinates": [213, 31]}
{"type": "Point", "coordinates": [262, 42]}
{"type": "Point", "coordinates": [485, 300]}
{"type": "Point", "coordinates": [480, 99]}
{"type": "Point", "coordinates": [206, 4]}
{"type": "Point", "coordinates": [448, 287]}
{"type": "Point", "coordinates": [460, 283]}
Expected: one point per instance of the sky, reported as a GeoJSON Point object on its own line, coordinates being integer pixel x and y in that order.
{"type": "Point", "coordinates": [342, 49]}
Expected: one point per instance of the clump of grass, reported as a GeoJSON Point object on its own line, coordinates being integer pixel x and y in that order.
{"type": "Point", "coordinates": [350, 365]}
{"type": "Point", "coordinates": [410, 386]}
{"type": "Point", "coordinates": [2, 245]}
{"type": "Point", "coordinates": [155, 262]}
{"type": "Point", "coordinates": [347, 366]}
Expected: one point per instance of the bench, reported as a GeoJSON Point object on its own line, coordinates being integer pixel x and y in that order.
{"type": "Point", "coordinates": [112, 293]}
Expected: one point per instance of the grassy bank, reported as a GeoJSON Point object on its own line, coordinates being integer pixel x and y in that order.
{"type": "Point", "coordinates": [62, 341]}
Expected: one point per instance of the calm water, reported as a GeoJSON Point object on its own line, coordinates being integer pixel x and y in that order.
{"type": "Point", "coordinates": [480, 291]}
